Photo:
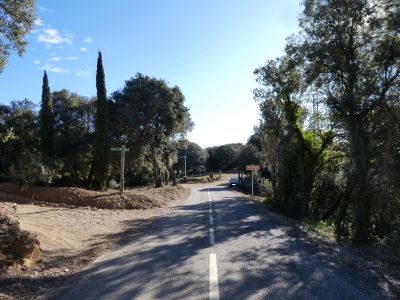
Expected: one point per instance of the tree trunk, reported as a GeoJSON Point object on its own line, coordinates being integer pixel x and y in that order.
{"type": "Point", "coordinates": [172, 175]}
{"type": "Point", "coordinates": [362, 196]}
{"type": "Point", "coordinates": [308, 184]}
{"type": "Point", "coordinates": [170, 170]}
{"type": "Point", "coordinates": [344, 204]}
{"type": "Point", "coordinates": [90, 176]}
{"type": "Point", "coordinates": [156, 170]}
{"type": "Point", "coordinates": [331, 210]}
{"type": "Point", "coordinates": [157, 177]}
{"type": "Point", "coordinates": [75, 175]}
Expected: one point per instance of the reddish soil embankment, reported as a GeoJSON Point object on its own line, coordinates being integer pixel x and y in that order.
{"type": "Point", "coordinates": [131, 199]}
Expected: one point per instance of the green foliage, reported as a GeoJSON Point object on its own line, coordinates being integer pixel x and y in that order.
{"type": "Point", "coordinates": [196, 158]}
{"type": "Point", "coordinates": [326, 228]}
{"type": "Point", "coordinates": [255, 139]}
{"type": "Point", "coordinates": [292, 155]}
{"type": "Point", "coordinates": [31, 170]}
{"type": "Point", "coordinates": [225, 157]}
{"type": "Point", "coordinates": [19, 131]}
{"type": "Point", "coordinates": [74, 137]}
{"type": "Point", "coordinates": [336, 162]}
{"type": "Point", "coordinates": [245, 185]}
{"type": "Point", "coordinates": [197, 179]}
{"type": "Point", "coordinates": [46, 120]}
{"type": "Point", "coordinates": [358, 74]}
{"type": "Point", "coordinates": [152, 117]}
{"type": "Point", "coordinates": [265, 188]}
{"type": "Point", "coordinates": [101, 146]}
{"type": "Point", "coordinates": [16, 20]}
{"type": "Point", "coordinates": [249, 155]}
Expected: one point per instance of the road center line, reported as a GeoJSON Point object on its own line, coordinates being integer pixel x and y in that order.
{"type": "Point", "coordinates": [212, 238]}
{"type": "Point", "coordinates": [211, 219]}
{"type": "Point", "coordinates": [214, 290]}
{"type": "Point", "coordinates": [210, 208]}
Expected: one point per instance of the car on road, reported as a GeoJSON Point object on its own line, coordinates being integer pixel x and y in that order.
{"type": "Point", "coordinates": [234, 181]}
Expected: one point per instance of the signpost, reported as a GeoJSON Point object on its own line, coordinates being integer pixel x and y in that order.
{"type": "Point", "coordinates": [252, 168]}
{"type": "Point", "coordinates": [122, 179]}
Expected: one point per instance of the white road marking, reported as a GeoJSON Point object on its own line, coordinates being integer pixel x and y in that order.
{"type": "Point", "coordinates": [210, 208]}
{"type": "Point", "coordinates": [214, 290]}
{"type": "Point", "coordinates": [212, 238]}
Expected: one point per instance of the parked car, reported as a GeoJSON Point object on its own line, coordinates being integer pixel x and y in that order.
{"type": "Point", "coordinates": [234, 181]}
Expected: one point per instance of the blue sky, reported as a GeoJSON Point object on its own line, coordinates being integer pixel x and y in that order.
{"type": "Point", "coordinates": [208, 48]}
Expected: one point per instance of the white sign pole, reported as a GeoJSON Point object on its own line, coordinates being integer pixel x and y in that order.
{"type": "Point", "coordinates": [252, 183]}
{"type": "Point", "coordinates": [122, 179]}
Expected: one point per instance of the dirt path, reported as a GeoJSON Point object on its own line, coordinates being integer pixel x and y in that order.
{"type": "Point", "coordinates": [70, 238]}
{"type": "Point", "coordinates": [70, 232]}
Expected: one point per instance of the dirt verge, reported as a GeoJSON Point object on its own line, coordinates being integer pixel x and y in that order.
{"type": "Point", "coordinates": [132, 199]}
{"type": "Point", "coordinates": [72, 236]}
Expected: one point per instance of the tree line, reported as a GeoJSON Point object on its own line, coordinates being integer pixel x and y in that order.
{"type": "Point", "coordinates": [327, 142]}
{"type": "Point", "coordinates": [330, 127]}
{"type": "Point", "coordinates": [67, 142]}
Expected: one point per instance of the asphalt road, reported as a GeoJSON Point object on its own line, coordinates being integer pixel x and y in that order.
{"type": "Point", "coordinates": [217, 246]}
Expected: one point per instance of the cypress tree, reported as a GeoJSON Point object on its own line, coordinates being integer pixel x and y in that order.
{"type": "Point", "coordinates": [46, 120]}
{"type": "Point", "coordinates": [101, 147]}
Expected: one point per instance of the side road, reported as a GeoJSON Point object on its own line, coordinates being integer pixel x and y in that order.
{"type": "Point", "coordinates": [215, 245]}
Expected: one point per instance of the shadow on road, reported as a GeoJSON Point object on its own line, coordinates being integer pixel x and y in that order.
{"type": "Point", "coordinates": [159, 258]}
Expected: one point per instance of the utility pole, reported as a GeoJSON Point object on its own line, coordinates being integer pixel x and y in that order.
{"type": "Point", "coordinates": [122, 177]}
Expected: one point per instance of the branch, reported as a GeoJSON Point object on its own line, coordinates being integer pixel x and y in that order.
{"type": "Point", "coordinates": [19, 17]}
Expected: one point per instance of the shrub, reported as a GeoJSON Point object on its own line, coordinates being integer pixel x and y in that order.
{"type": "Point", "coordinates": [31, 170]}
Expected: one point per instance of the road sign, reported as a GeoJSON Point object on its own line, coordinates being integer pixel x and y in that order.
{"type": "Point", "coordinates": [120, 149]}
{"type": "Point", "coordinates": [253, 167]}
{"type": "Point", "coordinates": [122, 178]}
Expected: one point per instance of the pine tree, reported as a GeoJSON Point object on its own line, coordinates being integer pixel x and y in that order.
{"type": "Point", "coordinates": [101, 147]}
{"type": "Point", "coordinates": [46, 120]}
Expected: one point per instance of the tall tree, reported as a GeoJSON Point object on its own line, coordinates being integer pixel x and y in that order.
{"type": "Point", "coordinates": [340, 163]}
{"type": "Point", "coordinates": [101, 146]}
{"type": "Point", "coordinates": [18, 133]}
{"type": "Point", "coordinates": [299, 149]}
{"type": "Point", "coordinates": [196, 158]}
{"type": "Point", "coordinates": [46, 120]}
{"type": "Point", "coordinates": [154, 118]}
{"type": "Point", "coordinates": [16, 20]}
{"type": "Point", "coordinates": [74, 123]}
{"type": "Point", "coordinates": [224, 157]}
{"type": "Point", "coordinates": [351, 50]}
